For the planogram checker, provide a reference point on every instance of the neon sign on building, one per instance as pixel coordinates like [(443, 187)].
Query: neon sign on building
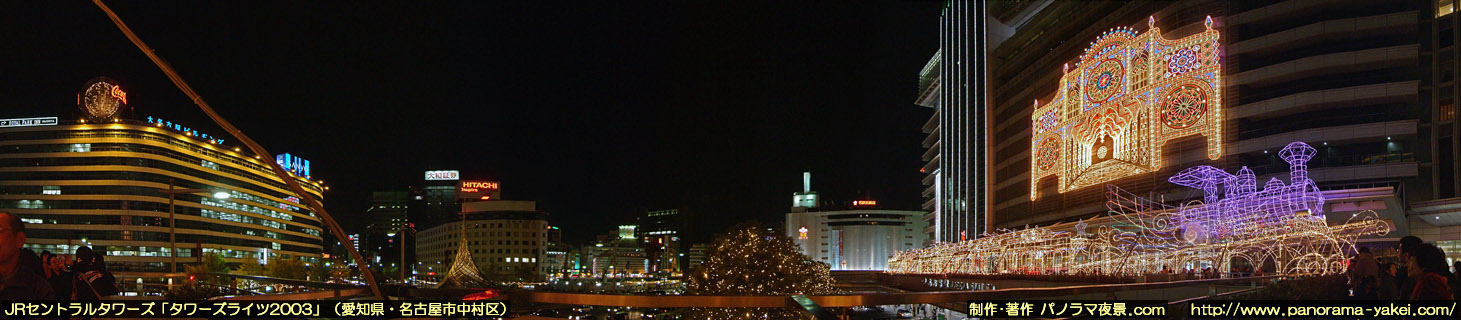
[(186, 130), (1130, 94), (294, 164)]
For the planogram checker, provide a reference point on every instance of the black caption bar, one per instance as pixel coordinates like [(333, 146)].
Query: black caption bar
[(252, 309), (1438, 309), (1068, 308)]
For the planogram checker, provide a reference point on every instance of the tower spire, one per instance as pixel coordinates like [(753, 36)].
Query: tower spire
[(463, 272)]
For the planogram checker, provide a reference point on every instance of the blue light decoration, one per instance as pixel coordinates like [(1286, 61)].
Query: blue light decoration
[(297, 165), (1282, 225), (179, 127)]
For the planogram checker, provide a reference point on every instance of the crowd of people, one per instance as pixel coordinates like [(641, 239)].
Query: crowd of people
[(47, 276), (1418, 272)]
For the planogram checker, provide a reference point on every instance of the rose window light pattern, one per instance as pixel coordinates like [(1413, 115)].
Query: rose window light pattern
[(1129, 94)]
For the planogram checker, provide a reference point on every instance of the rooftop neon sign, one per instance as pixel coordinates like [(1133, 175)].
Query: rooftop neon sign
[(179, 127), (297, 165)]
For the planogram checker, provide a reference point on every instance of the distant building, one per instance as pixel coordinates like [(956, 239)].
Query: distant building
[(508, 240), (659, 235), (807, 199), (617, 254), (387, 230), (696, 256), (556, 259), (859, 238), (435, 202)]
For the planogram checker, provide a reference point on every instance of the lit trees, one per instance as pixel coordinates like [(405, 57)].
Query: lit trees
[(287, 268), (748, 260), (201, 286)]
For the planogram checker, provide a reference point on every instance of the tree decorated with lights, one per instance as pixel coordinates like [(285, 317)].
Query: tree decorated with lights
[(748, 260)]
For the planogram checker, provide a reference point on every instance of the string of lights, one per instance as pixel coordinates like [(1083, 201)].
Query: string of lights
[(1283, 225)]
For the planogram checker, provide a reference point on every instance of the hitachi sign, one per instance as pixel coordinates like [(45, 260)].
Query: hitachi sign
[(473, 186)]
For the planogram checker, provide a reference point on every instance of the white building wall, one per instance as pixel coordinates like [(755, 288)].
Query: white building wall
[(856, 246)]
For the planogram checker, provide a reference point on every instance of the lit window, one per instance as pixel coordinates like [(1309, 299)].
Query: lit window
[(1444, 7)]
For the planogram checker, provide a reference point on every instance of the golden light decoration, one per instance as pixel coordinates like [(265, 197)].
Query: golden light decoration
[(1130, 94), (1282, 225), (101, 99)]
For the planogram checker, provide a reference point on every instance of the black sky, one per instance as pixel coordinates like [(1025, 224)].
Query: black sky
[(594, 109)]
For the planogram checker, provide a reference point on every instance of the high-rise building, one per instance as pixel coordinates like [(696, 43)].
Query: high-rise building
[(435, 201), (954, 84), (557, 260), (1343, 76), (659, 235), (389, 232), (1438, 93), (103, 182)]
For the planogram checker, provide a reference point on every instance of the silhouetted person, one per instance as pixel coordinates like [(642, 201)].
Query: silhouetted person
[(92, 280), (58, 274), (1388, 288), (22, 278), (1455, 279), (1364, 271), (1428, 268), (1402, 277)]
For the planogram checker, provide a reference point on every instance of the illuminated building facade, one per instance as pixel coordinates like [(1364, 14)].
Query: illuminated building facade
[(1130, 94), (859, 238), (508, 240), (100, 182), (659, 233), (953, 83), (1341, 75)]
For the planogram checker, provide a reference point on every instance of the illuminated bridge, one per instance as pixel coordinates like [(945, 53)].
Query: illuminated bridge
[(946, 294)]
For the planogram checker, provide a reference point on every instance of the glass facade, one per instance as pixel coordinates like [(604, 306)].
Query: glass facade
[(957, 144), (102, 185)]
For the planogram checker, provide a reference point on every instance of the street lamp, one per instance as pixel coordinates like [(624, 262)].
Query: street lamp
[(404, 228), (172, 231)]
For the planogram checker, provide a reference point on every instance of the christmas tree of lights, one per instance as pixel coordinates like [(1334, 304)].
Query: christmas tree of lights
[(751, 261)]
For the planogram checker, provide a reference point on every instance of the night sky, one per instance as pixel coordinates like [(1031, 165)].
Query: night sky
[(594, 110)]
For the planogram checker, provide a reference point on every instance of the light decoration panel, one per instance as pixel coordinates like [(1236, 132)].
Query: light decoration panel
[(1282, 224), (1130, 94)]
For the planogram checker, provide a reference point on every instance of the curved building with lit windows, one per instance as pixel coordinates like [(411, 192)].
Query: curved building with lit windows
[(858, 238), (81, 182)]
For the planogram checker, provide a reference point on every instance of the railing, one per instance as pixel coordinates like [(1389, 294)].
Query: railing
[(831, 301)]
